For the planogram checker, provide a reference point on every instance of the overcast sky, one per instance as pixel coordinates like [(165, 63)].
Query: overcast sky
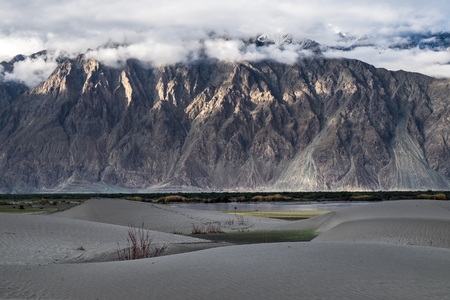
[(164, 32)]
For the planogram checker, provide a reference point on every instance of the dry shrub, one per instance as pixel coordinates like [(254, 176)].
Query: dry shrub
[(270, 198), (139, 245), (440, 196), (258, 198), (214, 228), (362, 197), (133, 198), (43, 202), (174, 198), (158, 251), (210, 228), (194, 199), (229, 222), (241, 220), (241, 199), (196, 229), (171, 198), (278, 197)]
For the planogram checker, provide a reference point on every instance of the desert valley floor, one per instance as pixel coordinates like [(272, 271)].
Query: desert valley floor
[(384, 250)]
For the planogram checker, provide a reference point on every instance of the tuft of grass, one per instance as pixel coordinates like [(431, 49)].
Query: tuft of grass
[(210, 228), (214, 228), (139, 245)]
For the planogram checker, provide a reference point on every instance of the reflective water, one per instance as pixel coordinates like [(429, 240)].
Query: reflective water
[(270, 206)]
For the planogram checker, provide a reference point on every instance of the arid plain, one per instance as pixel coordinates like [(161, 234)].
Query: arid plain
[(384, 250)]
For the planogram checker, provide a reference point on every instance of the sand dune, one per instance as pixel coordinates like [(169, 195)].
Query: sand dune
[(407, 231), (423, 209), (41, 239), (408, 222), (159, 217), (354, 257), (264, 271)]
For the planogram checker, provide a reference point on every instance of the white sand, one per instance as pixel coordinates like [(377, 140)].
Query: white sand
[(41, 239), (263, 271), (356, 259), (406, 231)]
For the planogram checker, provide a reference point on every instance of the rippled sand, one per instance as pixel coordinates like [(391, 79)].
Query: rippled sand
[(388, 250)]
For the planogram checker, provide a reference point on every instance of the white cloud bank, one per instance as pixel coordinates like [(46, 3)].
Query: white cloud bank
[(429, 62), (171, 31), (235, 50), (31, 71)]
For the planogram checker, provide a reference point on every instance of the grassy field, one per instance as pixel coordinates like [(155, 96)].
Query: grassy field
[(284, 215), (266, 236)]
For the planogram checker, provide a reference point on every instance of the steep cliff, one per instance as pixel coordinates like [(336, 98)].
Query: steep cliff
[(317, 125)]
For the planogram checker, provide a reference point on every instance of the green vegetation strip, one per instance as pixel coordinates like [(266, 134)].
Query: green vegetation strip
[(284, 215), (212, 197), (266, 236)]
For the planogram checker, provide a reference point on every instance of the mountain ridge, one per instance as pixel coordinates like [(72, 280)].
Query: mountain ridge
[(320, 124)]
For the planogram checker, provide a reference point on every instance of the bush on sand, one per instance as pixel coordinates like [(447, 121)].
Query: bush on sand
[(139, 245)]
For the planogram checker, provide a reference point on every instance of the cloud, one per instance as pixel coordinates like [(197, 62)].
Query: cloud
[(235, 50), (14, 44), (31, 71), (80, 22), (172, 31), (224, 50), (428, 62), (153, 52)]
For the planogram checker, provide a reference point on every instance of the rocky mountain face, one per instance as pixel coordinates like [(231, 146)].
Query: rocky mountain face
[(317, 125)]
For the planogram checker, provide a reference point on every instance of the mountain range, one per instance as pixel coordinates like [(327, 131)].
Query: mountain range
[(319, 124), (347, 42)]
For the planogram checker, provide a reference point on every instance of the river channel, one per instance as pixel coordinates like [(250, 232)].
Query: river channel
[(270, 206)]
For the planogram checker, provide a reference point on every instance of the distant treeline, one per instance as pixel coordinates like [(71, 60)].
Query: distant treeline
[(214, 197)]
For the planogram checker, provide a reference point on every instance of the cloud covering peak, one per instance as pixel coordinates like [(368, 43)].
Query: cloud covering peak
[(171, 31)]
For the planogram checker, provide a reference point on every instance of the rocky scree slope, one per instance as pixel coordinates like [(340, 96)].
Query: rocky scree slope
[(317, 125)]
